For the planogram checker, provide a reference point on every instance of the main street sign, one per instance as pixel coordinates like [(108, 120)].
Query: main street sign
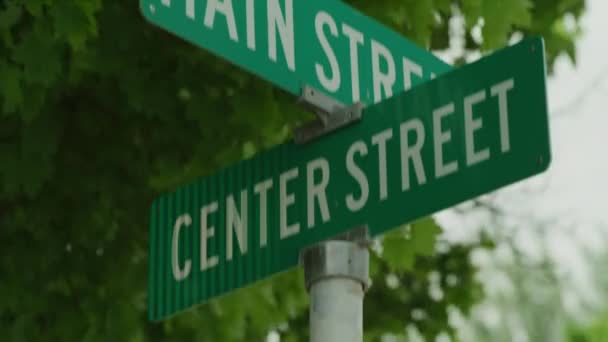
[(324, 44), (468, 132)]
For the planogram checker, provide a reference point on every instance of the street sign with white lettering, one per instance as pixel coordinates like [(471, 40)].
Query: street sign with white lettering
[(468, 132), (324, 44)]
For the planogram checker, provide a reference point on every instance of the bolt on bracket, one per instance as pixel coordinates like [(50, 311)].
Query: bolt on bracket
[(331, 115)]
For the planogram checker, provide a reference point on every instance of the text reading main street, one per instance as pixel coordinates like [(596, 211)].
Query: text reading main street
[(327, 45)]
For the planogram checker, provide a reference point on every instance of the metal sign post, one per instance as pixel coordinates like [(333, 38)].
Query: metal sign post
[(336, 271), (336, 275)]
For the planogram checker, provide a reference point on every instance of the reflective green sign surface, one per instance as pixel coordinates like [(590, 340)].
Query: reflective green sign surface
[(468, 132), (324, 44)]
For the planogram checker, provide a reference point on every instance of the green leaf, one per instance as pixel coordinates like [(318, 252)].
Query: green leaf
[(10, 88), (443, 5), (472, 10), (401, 246), (424, 234), (36, 7), (398, 251), (420, 19), (75, 21), (39, 56), (18, 333), (500, 17), (10, 15)]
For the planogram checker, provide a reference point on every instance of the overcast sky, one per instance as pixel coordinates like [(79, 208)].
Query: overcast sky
[(563, 212), (578, 180), (574, 190)]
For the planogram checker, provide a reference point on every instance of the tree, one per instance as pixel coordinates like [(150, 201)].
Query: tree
[(101, 111), (596, 332)]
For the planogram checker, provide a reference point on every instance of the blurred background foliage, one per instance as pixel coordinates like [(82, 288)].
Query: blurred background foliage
[(100, 111)]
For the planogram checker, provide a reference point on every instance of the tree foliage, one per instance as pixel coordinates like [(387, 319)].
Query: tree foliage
[(100, 111), (597, 331)]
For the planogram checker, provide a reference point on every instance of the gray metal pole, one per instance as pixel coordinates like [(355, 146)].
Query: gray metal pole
[(336, 275)]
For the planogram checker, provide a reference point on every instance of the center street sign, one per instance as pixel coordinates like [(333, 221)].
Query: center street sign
[(324, 44), (468, 132)]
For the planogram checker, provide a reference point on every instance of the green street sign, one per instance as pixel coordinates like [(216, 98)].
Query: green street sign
[(468, 132), (324, 44)]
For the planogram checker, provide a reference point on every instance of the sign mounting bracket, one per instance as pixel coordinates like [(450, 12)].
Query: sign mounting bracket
[(331, 114)]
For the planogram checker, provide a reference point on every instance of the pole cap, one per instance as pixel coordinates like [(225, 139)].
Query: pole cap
[(338, 259)]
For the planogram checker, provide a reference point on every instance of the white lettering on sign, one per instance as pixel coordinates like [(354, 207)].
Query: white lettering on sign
[(410, 68), (317, 191), (453, 123), (250, 13), (224, 7), (325, 53), (501, 90), (190, 9), (441, 137), (207, 232), (355, 171), (383, 81), (238, 222), (261, 189), (285, 201), (355, 39), (283, 22), (412, 153), (179, 274), (470, 126), (380, 140), (383, 76), (331, 83)]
